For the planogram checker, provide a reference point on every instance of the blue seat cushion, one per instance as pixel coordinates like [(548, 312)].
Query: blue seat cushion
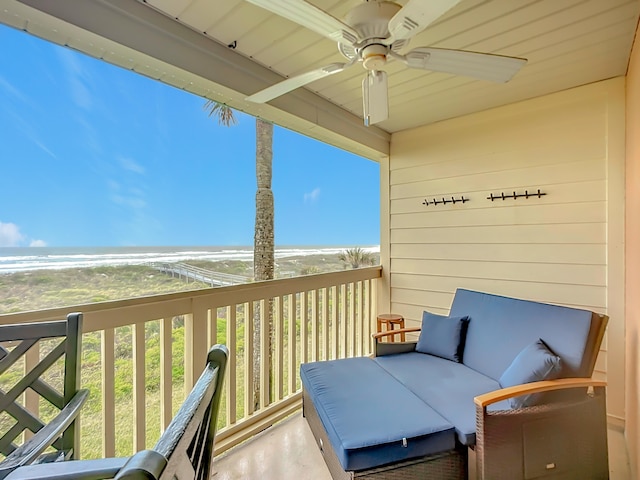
[(448, 387), (370, 418)]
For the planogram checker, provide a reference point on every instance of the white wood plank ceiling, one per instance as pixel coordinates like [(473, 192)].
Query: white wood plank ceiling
[(567, 42)]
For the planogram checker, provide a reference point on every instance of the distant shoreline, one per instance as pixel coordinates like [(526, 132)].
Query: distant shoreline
[(39, 289), (22, 259)]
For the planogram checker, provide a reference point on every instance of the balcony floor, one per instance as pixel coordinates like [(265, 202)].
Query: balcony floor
[(287, 451)]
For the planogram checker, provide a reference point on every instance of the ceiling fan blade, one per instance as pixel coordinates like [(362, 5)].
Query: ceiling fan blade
[(485, 66), (375, 97), (311, 17), (417, 15), (298, 81)]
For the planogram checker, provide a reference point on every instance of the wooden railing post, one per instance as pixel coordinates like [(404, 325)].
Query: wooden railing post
[(195, 337), (139, 390), (293, 366), (108, 360), (31, 398), (166, 364), (232, 366), (249, 404)]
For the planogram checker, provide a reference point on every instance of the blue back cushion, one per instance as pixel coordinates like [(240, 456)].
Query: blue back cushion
[(533, 364), (442, 336), (501, 327)]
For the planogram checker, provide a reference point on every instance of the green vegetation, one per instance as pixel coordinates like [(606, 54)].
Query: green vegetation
[(57, 288), (40, 289), (356, 257)]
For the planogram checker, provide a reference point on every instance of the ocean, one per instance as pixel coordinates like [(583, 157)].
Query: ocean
[(22, 259)]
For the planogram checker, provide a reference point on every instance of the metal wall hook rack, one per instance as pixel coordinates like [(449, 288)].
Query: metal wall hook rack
[(515, 195), (444, 201)]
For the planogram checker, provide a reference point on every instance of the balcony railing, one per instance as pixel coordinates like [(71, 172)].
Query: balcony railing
[(147, 344)]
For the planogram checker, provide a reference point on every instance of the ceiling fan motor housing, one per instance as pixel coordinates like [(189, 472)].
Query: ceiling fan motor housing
[(371, 19)]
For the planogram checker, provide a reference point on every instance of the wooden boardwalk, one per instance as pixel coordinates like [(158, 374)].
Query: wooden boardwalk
[(189, 272)]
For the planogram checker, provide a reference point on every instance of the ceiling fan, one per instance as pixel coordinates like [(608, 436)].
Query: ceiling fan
[(373, 33)]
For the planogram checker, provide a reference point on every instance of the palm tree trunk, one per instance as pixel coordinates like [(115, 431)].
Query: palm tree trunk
[(263, 249)]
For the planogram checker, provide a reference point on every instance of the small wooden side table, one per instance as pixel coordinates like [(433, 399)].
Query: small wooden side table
[(390, 320)]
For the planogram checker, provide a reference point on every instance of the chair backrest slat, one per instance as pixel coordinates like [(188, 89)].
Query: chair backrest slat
[(55, 340), (37, 331), (8, 358), (24, 417), (35, 373), (47, 391), (72, 364), (6, 442)]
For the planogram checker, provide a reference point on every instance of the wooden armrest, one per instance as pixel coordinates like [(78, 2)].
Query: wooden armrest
[(535, 387), (29, 451), (74, 470), (395, 332)]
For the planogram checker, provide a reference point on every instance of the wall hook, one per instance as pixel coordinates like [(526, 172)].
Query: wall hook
[(444, 201), (514, 195)]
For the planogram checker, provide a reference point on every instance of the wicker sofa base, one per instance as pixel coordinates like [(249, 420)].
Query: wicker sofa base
[(450, 465)]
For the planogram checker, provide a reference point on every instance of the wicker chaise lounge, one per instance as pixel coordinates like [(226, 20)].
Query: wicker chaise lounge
[(418, 408)]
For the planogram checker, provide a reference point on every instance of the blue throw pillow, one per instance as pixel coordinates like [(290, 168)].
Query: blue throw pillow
[(443, 336), (533, 364)]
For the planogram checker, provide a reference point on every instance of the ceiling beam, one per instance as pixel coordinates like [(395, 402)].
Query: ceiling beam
[(143, 29)]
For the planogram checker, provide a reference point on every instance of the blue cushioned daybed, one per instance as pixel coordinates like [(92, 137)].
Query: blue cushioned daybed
[(415, 409)]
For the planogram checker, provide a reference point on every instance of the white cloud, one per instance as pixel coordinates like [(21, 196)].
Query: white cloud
[(78, 79), (44, 148), (12, 90), (10, 235), (312, 196), (130, 197), (131, 165)]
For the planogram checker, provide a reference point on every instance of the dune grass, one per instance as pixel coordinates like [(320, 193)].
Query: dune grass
[(43, 289)]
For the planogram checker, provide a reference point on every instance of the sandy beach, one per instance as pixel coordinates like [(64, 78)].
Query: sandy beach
[(41, 289)]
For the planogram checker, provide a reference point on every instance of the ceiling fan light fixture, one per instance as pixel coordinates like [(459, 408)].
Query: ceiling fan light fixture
[(374, 57), (374, 97)]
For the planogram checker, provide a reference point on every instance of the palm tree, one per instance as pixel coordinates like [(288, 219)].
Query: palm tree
[(263, 240), (263, 249), (356, 257)]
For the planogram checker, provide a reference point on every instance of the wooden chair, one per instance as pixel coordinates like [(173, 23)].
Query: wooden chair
[(184, 451), (25, 344)]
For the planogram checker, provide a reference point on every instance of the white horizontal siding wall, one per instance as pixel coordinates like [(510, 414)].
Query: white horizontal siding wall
[(562, 248)]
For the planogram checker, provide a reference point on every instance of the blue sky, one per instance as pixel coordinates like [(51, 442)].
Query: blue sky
[(94, 155)]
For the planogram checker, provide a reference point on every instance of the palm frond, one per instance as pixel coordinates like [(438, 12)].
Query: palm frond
[(224, 113)]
